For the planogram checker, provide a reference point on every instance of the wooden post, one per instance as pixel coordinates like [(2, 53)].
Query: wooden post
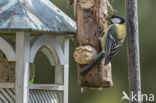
[(59, 70), (66, 70), (133, 49), (91, 16), (22, 67)]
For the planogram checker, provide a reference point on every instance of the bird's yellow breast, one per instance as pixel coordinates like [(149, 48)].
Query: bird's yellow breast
[(118, 30)]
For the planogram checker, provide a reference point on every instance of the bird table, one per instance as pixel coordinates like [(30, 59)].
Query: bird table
[(35, 24)]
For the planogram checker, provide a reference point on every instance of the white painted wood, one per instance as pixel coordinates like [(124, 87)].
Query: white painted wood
[(66, 69), (66, 81), (40, 96), (60, 39), (11, 92), (7, 49), (3, 99), (7, 96), (22, 67), (54, 98), (7, 85), (59, 70), (66, 51), (43, 96), (46, 96), (51, 44), (30, 97), (46, 87), (49, 94), (49, 55), (59, 78), (32, 94)]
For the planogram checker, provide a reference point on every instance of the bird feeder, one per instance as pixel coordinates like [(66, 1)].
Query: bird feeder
[(35, 24), (91, 17)]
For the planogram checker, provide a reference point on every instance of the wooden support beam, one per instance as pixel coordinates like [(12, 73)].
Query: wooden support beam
[(133, 49), (7, 49), (22, 67), (59, 70), (59, 79), (7, 85), (66, 70), (46, 87)]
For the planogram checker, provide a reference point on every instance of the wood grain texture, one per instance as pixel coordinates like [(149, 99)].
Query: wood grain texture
[(44, 96), (88, 23), (7, 69), (7, 61), (7, 85), (7, 95), (7, 48), (22, 67), (46, 87), (133, 48), (66, 71)]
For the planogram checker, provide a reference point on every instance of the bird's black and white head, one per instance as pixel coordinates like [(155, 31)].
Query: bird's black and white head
[(117, 19)]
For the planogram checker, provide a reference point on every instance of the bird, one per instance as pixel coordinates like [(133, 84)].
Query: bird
[(111, 41)]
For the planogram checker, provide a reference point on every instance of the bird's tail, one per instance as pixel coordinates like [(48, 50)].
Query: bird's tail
[(98, 58)]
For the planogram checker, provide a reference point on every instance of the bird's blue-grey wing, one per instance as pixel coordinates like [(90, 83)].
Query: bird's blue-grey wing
[(112, 47)]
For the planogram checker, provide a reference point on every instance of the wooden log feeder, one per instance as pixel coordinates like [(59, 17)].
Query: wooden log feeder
[(91, 17)]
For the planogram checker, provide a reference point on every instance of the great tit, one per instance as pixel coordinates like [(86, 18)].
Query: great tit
[(111, 41)]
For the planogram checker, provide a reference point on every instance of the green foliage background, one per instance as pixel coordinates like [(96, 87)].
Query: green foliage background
[(147, 27)]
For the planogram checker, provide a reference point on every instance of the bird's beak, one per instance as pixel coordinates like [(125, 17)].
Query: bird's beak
[(107, 18)]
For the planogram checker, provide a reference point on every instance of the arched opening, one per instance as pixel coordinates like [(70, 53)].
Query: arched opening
[(48, 77), (44, 71), (47, 55)]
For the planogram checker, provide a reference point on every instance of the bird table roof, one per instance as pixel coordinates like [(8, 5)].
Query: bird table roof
[(34, 15)]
